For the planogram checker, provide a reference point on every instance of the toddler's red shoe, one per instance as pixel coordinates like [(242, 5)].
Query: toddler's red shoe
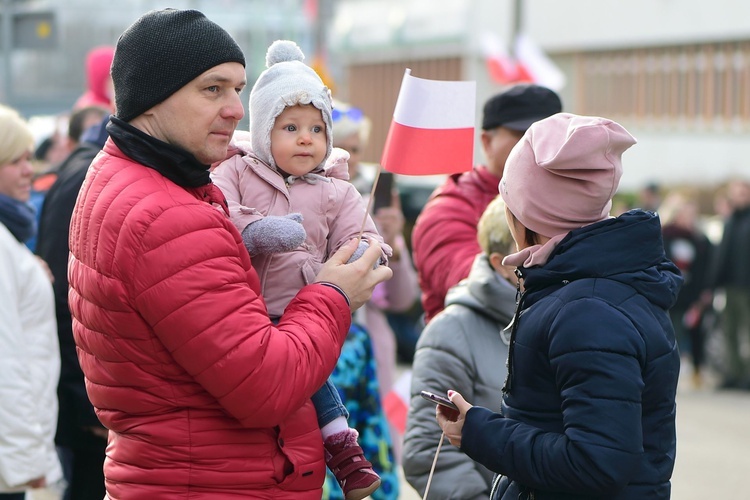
[(347, 462)]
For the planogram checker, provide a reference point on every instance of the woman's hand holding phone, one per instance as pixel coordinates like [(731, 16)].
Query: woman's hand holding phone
[(436, 398), (452, 421)]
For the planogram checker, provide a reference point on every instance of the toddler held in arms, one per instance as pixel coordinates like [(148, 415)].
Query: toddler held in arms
[(288, 195)]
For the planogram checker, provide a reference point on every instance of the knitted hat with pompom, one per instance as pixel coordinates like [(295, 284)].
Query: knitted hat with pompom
[(287, 82)]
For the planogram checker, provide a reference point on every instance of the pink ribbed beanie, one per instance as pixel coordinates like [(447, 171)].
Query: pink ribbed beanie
[(564, 171)]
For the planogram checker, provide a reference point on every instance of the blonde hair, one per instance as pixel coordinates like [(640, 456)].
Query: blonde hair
[(493, 232), (344, 126), (15, 135)]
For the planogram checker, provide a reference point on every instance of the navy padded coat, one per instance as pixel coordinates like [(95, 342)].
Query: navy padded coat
[(590, 408)]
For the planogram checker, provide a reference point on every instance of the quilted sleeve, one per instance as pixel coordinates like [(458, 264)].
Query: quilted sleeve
[(189, 283), (445, 243), (596, 366)]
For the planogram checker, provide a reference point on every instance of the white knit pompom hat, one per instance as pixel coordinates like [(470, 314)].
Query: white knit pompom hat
[(287, 82)]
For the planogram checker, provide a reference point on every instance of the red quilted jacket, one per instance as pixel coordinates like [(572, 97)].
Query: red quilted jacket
[(203, 396), (444, 240)]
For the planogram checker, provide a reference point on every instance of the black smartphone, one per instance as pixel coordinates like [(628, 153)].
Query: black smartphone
[(383, 192), (441, 400)]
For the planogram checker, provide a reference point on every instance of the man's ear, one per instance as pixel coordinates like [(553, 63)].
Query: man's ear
[(486, 139)]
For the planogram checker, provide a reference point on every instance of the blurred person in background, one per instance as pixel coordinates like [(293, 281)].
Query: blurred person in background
[(351, 129), (463, 348), (731, 274), (444, 240), (690, 249), (649, 197), (722, 204), (80, 437), (588, 406), (79, 121), (29, 353), (99, 88), (83, 119), (52, 149)]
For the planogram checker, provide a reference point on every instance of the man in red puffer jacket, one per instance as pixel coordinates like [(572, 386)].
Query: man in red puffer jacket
[(203, 396)]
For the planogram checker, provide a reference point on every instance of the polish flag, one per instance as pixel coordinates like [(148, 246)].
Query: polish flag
[(501, 66), (432, 131), (396, 402), (539, 67), (530, 64), (310, 8)]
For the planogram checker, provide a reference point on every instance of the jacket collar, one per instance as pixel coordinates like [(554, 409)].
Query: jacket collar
[(484, 291), (172, 162), (628, 249)]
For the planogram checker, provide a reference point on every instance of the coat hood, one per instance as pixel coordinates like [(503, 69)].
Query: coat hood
[(484, 291), (628, 249)]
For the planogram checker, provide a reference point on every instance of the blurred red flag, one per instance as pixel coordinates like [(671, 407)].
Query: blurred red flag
[(530, 63), (432, 131), (310, 8)]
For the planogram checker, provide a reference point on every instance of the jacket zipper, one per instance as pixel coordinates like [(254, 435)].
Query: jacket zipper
[(513, 329)]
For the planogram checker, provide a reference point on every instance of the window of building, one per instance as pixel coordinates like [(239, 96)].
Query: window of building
[(699, 86)]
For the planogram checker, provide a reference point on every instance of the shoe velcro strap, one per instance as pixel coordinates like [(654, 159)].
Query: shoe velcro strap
[(345, 455), (354, 467)]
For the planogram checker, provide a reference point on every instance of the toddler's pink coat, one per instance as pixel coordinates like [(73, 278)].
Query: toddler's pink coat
[(332, 209)]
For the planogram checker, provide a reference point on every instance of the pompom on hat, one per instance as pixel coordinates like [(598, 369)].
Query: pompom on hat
[(288, 81), (161, 52), (563, 173)]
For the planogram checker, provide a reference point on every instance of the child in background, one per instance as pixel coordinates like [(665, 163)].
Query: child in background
[(294, 210)]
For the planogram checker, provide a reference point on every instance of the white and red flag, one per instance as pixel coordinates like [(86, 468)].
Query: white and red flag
[(501, 66), (530, 64), (432, 131)]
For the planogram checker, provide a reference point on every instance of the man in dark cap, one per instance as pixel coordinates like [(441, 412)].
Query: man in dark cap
[(202, 395), (444, 239)]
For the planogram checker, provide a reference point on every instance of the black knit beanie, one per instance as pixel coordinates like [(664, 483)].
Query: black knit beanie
[(161, 52)]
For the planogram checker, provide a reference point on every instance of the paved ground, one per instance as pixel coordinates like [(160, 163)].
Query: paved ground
[(713, 446)]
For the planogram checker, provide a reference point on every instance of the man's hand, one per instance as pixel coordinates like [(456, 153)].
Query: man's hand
[(357, 279), (452, 421)]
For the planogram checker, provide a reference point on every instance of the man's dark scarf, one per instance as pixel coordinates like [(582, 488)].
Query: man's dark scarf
[(172, 162)]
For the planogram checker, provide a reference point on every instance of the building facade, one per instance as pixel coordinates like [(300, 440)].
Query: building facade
[(676, 73)]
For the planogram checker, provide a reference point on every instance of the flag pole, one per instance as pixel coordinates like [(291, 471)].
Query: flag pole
[(369, 202), (432, 469), (517, 27)]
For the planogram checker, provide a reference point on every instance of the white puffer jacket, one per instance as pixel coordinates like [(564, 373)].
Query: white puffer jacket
[(29, 369)]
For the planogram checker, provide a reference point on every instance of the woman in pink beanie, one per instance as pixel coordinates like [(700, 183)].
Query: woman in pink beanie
[(589, 401)]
